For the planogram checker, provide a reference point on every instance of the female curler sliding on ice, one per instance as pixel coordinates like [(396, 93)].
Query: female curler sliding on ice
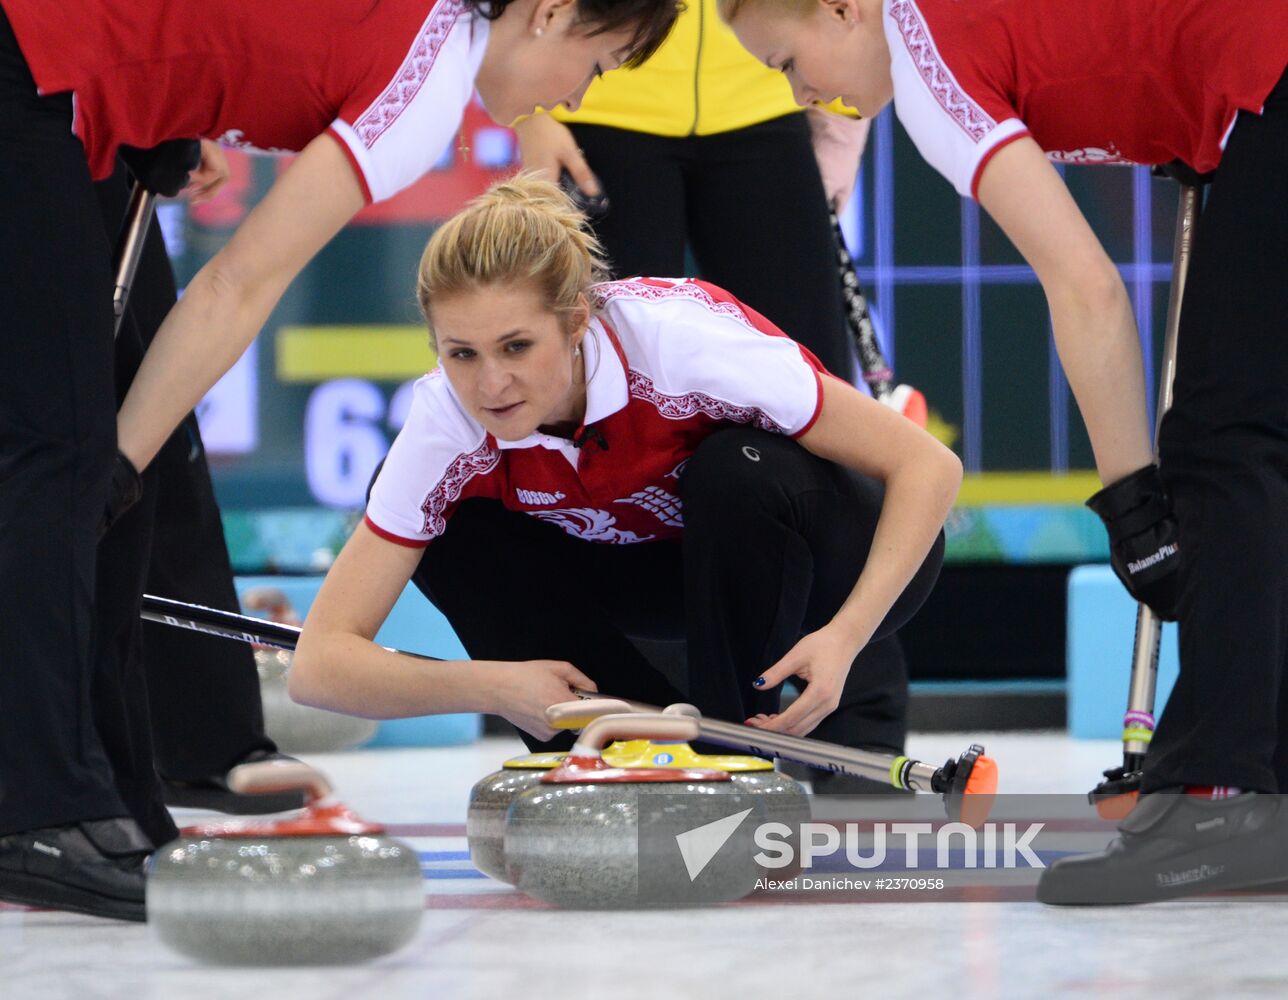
[(592, 461)]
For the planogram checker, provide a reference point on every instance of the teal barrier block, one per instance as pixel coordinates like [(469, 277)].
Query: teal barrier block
[(414, 625), (1101, 631)]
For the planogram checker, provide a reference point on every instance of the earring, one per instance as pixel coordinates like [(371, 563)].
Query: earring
[(576, 351), (540, 32)]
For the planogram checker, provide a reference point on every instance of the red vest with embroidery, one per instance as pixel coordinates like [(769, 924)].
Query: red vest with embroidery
[(1103, 81), (670, 363)]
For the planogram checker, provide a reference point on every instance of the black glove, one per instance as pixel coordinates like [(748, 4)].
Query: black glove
[(124, 491), (163, 169), (1144, 538)]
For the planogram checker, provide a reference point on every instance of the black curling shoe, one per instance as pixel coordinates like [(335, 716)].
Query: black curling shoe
[(1176, 845), (94, 867), (213, 792)]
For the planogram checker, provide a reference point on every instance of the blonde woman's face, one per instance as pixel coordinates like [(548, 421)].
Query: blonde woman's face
[(835, 49), (510, 359)]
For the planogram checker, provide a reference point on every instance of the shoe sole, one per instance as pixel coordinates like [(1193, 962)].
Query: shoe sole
[(30, 890)]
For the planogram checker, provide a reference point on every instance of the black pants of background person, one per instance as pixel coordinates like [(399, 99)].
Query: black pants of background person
[(1224, 458), (772, 546), (203, 691), (74, 742), (750, 205), (206, 709)]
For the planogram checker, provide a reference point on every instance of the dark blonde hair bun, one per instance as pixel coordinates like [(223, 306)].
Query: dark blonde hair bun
[(520, 229)]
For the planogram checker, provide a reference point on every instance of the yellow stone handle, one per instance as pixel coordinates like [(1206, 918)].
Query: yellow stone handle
[(578, 714)]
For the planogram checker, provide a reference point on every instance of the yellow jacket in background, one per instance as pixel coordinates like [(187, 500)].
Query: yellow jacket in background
[(700, 82)]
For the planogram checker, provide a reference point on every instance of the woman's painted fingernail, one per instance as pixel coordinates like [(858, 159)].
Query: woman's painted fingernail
[(758, 682)]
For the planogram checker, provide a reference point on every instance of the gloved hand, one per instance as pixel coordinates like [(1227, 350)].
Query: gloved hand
[(124, 491), (1144, 538), (164, 168)]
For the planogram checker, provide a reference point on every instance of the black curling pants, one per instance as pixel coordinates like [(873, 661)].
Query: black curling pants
[(73, 730), (203, 691), (1224, 458), (205, 697), (774, 541)]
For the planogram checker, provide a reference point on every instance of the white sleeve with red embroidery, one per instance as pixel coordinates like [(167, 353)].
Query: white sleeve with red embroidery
[(401, 132), (949, 128), (433, 459), (693, 348)]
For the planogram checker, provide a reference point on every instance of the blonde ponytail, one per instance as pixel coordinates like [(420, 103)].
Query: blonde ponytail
[(521, 229)]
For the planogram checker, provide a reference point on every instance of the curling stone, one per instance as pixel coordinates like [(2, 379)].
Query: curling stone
[(593, 836), (783, 797), (296, 728), (490, 799), (323, 888), (491, 796), (786, 800), (301, 728)]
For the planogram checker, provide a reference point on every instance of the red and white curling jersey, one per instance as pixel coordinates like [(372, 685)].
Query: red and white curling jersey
[(388, 78), (670, 362), (1093, 81)]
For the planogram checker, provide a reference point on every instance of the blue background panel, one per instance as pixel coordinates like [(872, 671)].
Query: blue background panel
[(1102, 628)]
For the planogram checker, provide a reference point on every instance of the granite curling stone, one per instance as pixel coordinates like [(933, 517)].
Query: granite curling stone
[(299, 728), (785, 799), (593, 836), (491, 796), (490, 800), (296, 728), (324, 888)]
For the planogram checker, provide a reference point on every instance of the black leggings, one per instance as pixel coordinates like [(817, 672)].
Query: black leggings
[(1224, 457), (773, 543)]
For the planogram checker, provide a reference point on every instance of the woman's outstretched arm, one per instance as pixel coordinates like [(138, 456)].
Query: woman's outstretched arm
[(338, 666), (230, 299)]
